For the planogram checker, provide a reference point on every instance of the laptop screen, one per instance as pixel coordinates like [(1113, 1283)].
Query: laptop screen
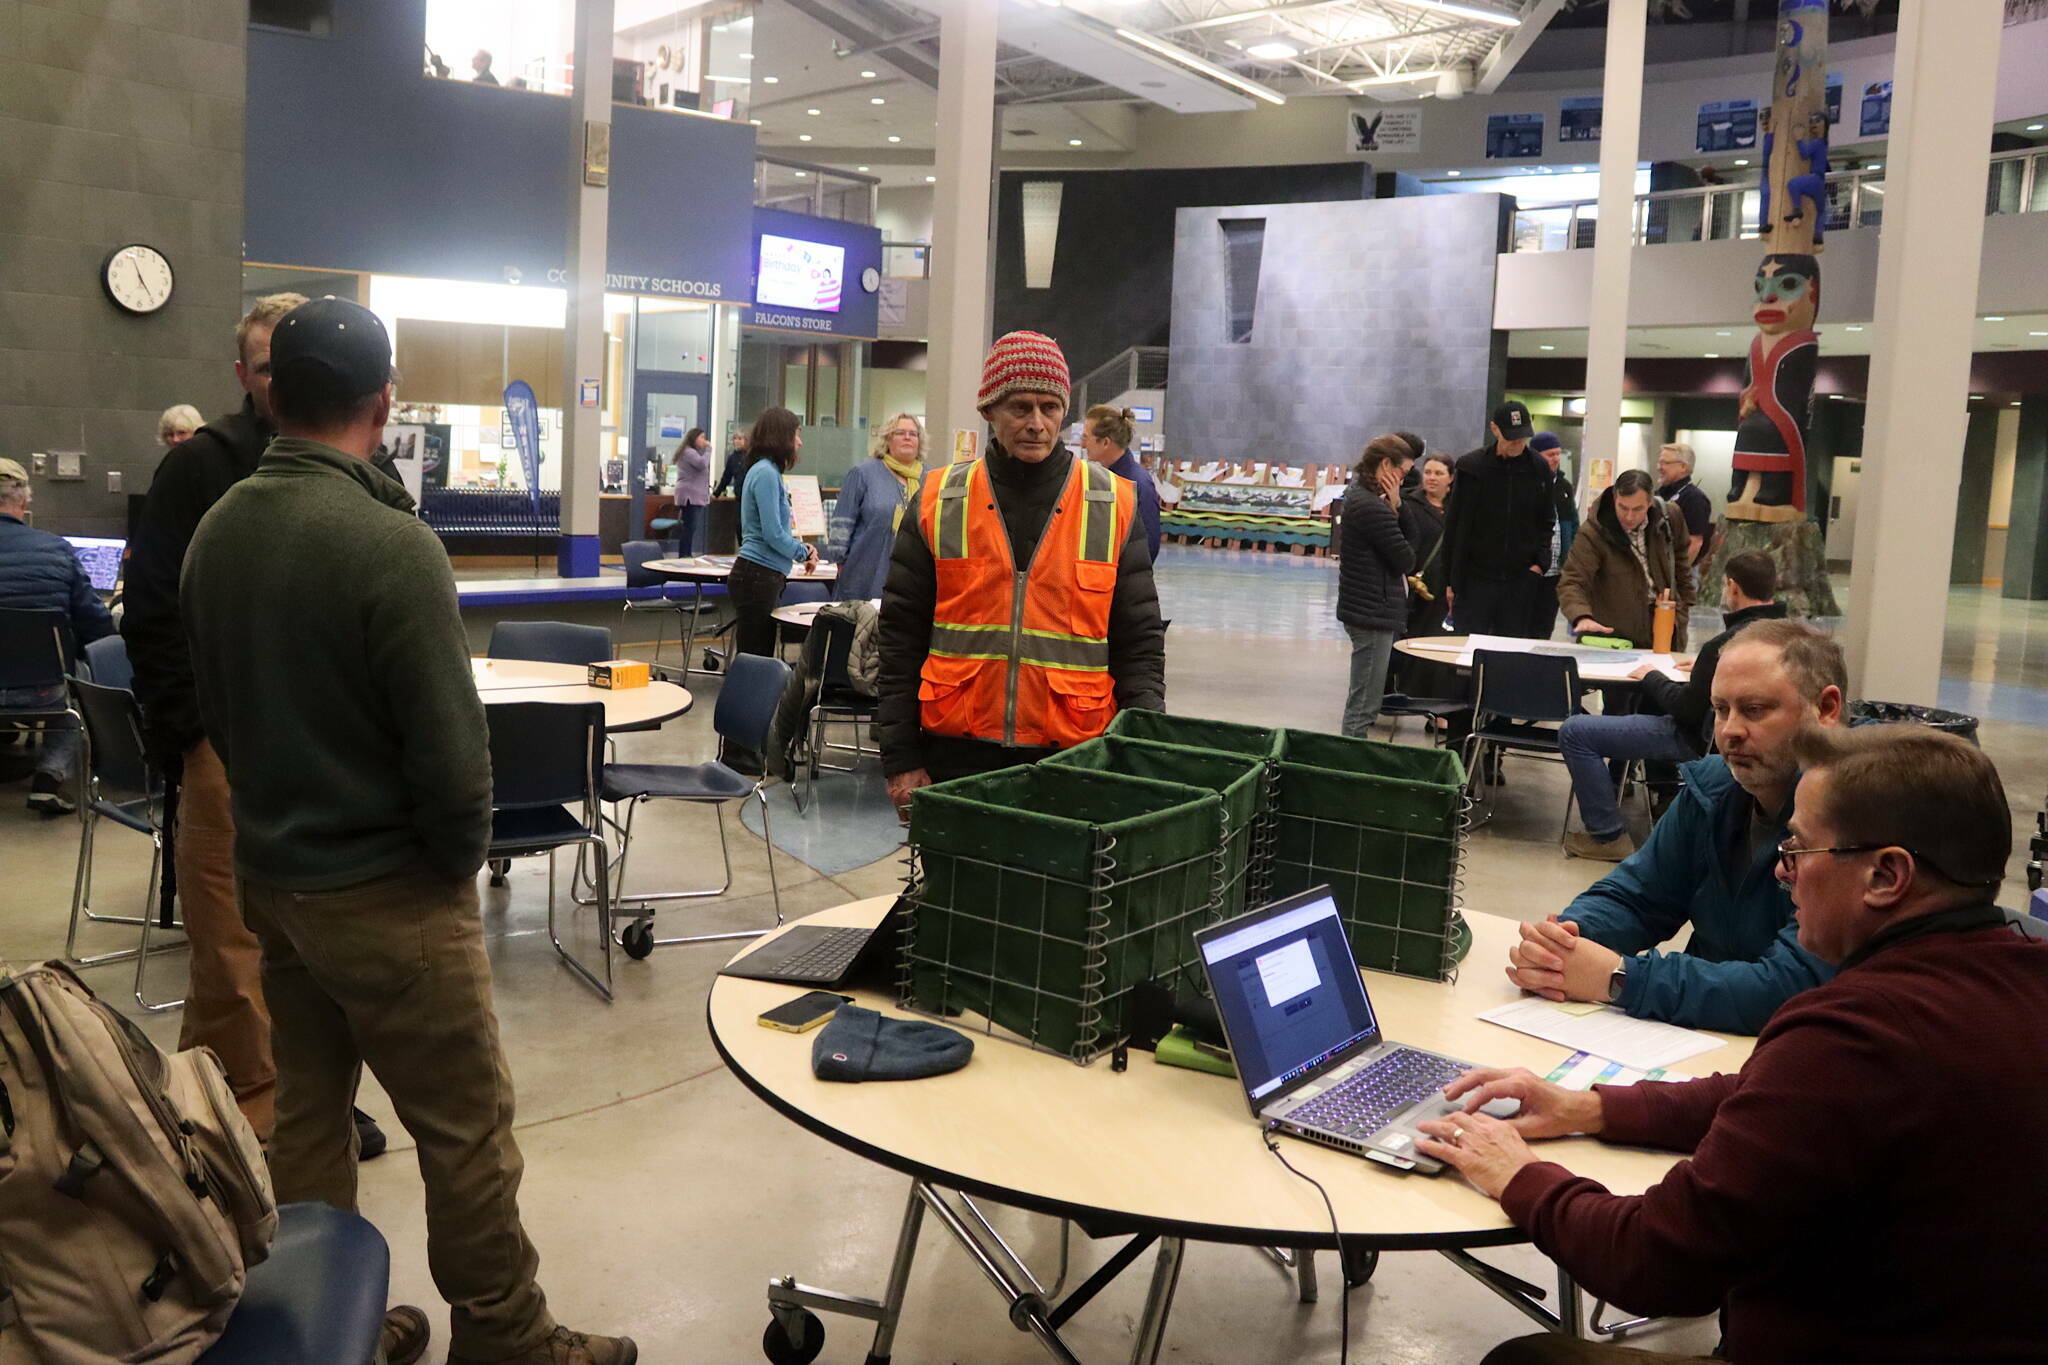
[(101, 558), (1287, 987)]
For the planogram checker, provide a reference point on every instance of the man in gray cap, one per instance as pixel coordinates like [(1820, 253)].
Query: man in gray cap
[(336, 685)]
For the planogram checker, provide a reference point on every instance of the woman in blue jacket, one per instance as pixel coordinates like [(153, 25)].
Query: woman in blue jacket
[(872, 501), (768, 540)]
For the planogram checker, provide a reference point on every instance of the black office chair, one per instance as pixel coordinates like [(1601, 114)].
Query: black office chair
[(550, 642), (836, 704), (107, 660), (746, 709), (649, 592), (36, 649), (794, 594), (1518, 701), (545, 758), (123, 786), (317, 1299)]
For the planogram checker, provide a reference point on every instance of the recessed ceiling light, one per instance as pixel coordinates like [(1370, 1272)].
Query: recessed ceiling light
[(1578, 170), (1273, 51), (803, 175), (1875, 166), (1852, 329), (1454, 172), (931, 180), (746, 56), (867, 75), (894, 138), (2036, 127), (814, 112), (1994, 317), (1073, 142), (1976, 398), (1724, 334), (803, 137), (1742, 161), (771, 80), (876, 99), (756, 122), (2038, 334), (1545, 347), (1713, 355), (860, 168)]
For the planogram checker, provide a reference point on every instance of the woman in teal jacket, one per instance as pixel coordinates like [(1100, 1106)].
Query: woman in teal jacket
[(768, 539)]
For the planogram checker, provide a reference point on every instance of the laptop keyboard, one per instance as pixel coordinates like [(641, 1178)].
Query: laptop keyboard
[(1362, 1103), (831, 955)]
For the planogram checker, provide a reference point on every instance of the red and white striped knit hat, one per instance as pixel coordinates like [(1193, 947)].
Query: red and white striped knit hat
[(1023, 362)]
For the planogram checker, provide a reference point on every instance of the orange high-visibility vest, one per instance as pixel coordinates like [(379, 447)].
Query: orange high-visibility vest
[(1021, 656)]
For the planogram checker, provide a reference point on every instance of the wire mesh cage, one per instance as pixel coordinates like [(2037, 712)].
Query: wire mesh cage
[(1042, 898), (1241, 780), (1383, 826)]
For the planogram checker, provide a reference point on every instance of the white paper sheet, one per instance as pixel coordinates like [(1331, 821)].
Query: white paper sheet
[(1643, 1044), (1583, 1071)]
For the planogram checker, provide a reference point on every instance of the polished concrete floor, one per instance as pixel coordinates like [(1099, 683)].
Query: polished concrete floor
[(663, 1196)]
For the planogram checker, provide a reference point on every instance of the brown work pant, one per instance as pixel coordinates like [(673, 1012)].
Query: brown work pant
[(224, 1001), (1551, 1349), (391, 972)]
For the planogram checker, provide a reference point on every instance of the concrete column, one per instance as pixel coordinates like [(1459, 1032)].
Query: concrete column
[(960, 224), (590, 125), (1621, 121), (2026, 542), (1943, 78)]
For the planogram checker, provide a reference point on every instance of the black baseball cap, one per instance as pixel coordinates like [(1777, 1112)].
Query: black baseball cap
[(1511, 417), (331, 350)]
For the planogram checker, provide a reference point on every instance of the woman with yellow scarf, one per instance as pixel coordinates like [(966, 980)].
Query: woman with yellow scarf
[(872, 500)]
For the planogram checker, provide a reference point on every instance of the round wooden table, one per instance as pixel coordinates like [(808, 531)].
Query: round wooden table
[(802, 614), (505, 680), (1595, 664), (1163, 1152), (705, 569)]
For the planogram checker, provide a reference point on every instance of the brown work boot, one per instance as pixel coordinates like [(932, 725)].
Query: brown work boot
[(405, 1336), (564, 1347), (1579, 844)]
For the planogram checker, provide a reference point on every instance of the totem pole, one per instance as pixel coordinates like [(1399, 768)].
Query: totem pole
[(1767, 504)]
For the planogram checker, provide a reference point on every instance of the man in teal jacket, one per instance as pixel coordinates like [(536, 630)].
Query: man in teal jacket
[(1711, 861)]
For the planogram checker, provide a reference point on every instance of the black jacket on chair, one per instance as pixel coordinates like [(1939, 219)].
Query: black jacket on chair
[(1374, 564)]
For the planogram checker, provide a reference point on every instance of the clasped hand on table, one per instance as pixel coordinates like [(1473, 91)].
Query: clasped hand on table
[(1552, 961), (1488, 1151)]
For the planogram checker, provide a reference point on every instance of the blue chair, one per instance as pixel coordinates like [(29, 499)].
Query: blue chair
[(837, 703), (1518, 701), (121, 785), (747, 700), (647, 591), (545, 758), (550, 642), (107, 660), (36, 650), (318, 1299)]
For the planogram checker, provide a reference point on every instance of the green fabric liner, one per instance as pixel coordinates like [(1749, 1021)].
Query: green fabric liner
[(1194, 732)]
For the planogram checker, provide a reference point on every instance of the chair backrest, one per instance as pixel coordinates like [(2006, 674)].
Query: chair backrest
[(794, 593), (1522, 686), (837, 643), (544, 753), (113, 730), (107, 657), (748, 697), (637, 553), (550, 642), (35, 647)]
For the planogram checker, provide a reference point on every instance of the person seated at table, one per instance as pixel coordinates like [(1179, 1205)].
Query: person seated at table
[(1841, 1202), (1709, 861), (1673, 723)]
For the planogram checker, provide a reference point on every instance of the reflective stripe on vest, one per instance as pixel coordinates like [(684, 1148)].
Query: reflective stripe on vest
[(1021, 658)]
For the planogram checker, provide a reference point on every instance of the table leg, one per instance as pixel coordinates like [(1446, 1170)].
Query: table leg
[(1158, 1302), (1523, 1296), (1028, 1310), (690, 638), (789, 1302)]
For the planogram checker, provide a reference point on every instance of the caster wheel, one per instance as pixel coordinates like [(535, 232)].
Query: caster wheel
[(775, 1343), (499, 867), (1359, 1266), (638, 941)]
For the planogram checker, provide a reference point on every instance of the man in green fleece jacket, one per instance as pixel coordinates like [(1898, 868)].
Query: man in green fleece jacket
[(334, 680)]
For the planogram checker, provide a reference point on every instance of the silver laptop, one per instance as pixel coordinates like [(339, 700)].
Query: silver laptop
[(100, 558), (1307, 1045)]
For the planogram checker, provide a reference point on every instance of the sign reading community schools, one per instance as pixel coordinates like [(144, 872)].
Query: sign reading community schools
[(798, 274)]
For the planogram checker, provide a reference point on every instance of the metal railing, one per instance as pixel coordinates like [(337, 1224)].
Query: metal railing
[(1140, 367), (907, 260), (820, 191), (2018, 183)]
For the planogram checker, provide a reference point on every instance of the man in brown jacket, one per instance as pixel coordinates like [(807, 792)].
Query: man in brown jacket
[(1618, 566)]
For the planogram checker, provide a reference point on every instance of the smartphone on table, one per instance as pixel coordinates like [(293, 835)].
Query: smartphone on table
[(804, 1013)]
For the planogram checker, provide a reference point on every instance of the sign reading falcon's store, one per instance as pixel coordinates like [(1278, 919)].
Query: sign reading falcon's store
[(816, 276)]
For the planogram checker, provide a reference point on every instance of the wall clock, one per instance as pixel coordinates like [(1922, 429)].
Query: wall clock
[(137, 278)]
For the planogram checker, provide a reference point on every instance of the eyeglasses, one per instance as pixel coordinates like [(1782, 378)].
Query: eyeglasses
[(1789, 853)]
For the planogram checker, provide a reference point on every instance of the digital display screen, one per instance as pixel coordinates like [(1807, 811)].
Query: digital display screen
[(799, 274)]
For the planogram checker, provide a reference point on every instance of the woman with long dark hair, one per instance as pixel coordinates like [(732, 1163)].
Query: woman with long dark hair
[(693, 489), (1372, 576), (768, 540)]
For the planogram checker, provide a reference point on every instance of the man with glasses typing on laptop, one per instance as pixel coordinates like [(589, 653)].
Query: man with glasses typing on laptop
[(1869, 1186), (1708, 862)]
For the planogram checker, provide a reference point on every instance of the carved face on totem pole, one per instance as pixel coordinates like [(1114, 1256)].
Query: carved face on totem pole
[(1787, 294)]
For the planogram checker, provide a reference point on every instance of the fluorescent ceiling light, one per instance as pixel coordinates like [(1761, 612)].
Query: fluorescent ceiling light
[(867, 75), (1875, 166), (803, 137), (876, 99), (2038, 334), (732, 80), (1994, 317), (860, 168), (1713, 355), (1545, 346), (1273, 51), (1724, 334), (1742, 161), (1189, 60), (894, 138), (1397, 78), (1463, 11), (1453, 172), (1852, 329), (771, 80), (803, 175), (1073, 142), (931, 180), (814, 112), (2036, 127)]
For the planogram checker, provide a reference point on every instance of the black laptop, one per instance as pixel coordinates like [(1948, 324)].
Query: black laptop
[(825, 956)]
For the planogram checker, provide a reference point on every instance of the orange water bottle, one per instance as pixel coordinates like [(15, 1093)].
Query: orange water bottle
[(1664, 623)]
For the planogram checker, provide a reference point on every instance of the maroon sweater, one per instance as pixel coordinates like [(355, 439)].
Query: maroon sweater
[(1870, 1187)]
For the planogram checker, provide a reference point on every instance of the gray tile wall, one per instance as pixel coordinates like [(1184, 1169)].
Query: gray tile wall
[(120, 121), (1373, 316)]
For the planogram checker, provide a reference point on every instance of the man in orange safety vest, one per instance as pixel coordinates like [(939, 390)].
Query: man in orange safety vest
[(1019, 613)]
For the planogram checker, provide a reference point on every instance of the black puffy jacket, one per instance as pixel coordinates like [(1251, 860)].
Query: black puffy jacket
[(1374, 562), (39, 572)]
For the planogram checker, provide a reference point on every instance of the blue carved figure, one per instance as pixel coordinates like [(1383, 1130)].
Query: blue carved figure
[(1811, 188), (1763, 206)]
